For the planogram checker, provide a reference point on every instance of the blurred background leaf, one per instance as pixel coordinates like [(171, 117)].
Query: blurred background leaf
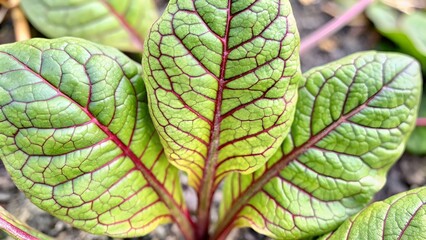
[(402, 23), (399, 21), (119, 23), (416, 143)]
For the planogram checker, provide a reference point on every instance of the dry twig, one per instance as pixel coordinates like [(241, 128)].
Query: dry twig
[(20, 23)]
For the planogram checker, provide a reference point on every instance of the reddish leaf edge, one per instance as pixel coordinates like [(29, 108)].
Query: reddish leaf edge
[(227, 224)]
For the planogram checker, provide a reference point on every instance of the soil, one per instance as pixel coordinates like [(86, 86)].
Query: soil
[(408, 173)]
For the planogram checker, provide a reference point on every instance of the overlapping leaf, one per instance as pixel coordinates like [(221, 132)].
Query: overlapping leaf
[(222, 81), (17, 229), (402, 216), (119, 23), (352, 121), (76, 137)]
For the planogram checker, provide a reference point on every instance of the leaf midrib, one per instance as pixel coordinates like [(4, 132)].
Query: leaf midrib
[(208, 180)]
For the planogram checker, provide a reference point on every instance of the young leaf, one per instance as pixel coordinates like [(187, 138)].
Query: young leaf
[(402, 216), (222, 81), (76, 137), (352, 121), (17, 229), (119, 23)]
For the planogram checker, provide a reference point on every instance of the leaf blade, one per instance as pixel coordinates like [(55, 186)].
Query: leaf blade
[(399, 217), (328, 169), (198, 76), (121, 24), (76, 137)]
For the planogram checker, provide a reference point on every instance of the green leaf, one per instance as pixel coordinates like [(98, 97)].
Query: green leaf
[(352, 121), (222, 82), (119, 23), (401, 28), (416, 143), (76, 137), (17, 229), (402, 216)]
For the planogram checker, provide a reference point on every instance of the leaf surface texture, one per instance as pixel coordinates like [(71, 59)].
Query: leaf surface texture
[(77, 139), (352, 121), (222, 81), (402, 216)]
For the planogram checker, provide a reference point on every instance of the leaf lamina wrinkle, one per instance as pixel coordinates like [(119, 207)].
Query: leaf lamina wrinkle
[(222, 82), (97, 140), (76, 137), (352, 121)]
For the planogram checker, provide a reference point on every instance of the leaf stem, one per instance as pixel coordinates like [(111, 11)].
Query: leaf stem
[(15, 228), (421, 122), (333, 26), (15, 231), (20, 24), (3, 12)]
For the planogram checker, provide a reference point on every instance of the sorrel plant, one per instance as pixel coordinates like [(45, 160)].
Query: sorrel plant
[(98, 140)]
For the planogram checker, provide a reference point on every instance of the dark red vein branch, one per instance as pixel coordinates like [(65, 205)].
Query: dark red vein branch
[(409, 221)]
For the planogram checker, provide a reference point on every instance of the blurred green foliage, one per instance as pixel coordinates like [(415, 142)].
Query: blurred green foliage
[(405, 29), (417, 142)]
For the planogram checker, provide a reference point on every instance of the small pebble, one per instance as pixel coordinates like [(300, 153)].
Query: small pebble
[(4, 196)]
